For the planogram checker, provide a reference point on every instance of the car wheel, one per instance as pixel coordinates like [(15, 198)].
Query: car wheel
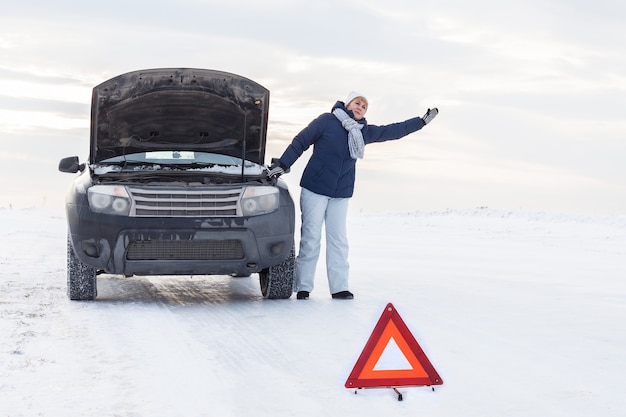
[(81, 278), (277, 281)]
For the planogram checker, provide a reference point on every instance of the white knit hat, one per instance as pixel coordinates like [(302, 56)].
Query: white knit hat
[(353, 95)]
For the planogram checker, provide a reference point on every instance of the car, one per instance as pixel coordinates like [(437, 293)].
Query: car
[(176, 184)]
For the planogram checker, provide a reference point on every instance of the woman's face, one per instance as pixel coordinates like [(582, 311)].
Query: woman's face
[(358, 107)]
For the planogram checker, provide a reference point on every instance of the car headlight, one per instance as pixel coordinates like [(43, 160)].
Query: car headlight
[(259, 200), (109, 199)]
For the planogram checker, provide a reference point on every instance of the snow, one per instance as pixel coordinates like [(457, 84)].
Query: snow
[(521, 314)]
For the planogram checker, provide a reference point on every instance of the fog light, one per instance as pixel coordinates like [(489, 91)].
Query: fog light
[(277, 248), (91, 249)]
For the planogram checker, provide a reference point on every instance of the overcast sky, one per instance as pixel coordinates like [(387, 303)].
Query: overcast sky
[(531, 94)]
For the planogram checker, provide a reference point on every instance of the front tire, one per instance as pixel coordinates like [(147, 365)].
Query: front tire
[(277, 281), (81, 278)]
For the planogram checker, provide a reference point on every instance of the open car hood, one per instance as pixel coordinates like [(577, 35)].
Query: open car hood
[(179, 109)]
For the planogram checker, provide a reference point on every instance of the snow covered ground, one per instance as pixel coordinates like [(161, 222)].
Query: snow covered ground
[(522, 314)]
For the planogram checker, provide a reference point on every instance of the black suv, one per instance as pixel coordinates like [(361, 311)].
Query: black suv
[(176, 184)]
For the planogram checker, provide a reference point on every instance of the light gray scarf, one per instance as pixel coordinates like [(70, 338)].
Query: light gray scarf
[(355, 137)]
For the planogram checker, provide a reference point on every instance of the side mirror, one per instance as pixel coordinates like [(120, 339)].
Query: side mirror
[(70, 165)]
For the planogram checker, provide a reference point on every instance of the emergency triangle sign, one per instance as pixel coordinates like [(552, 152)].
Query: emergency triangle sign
[(392, 357)]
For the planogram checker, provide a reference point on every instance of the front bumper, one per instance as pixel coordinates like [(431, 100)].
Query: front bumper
[(180, 246)]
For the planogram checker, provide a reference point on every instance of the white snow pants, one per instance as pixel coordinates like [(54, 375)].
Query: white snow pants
[(317, 209)]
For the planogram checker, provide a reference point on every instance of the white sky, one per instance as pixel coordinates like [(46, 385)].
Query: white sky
[(531, 95)]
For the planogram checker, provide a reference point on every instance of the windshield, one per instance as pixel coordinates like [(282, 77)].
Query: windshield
[(175, 159)]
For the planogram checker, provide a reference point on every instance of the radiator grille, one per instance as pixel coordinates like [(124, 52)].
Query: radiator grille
[(185, 203), (185, 250)]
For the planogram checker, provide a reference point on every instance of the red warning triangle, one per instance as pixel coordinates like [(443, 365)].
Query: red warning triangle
[(391, 328)]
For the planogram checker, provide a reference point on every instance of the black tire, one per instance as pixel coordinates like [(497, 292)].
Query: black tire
[(277, 281), (81, 278)]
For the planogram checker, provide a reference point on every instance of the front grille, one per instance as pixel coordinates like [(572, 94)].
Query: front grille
[(185, 250), (150, 202)]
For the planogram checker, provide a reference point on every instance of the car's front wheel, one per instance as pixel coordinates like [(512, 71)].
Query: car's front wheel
[(81, 278), (277, 281)]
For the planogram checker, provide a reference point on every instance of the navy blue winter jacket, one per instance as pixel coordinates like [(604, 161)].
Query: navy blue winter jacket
[(331, 170)]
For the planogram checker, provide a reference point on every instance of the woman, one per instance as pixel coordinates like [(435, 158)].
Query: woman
[(338, 140)]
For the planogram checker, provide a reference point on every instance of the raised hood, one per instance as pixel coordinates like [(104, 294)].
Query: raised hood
[(179, 109)]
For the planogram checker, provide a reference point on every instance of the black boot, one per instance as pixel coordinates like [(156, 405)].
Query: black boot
[(343, 295), (302, 295)]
